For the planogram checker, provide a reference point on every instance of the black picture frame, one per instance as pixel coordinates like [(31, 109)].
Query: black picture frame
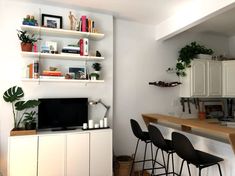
[(51, 21)]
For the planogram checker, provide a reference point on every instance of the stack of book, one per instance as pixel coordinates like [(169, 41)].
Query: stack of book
[(52, 75), (71, 49), (86, 25)]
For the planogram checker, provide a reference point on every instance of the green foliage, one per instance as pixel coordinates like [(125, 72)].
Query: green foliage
[(188, 53), (13, 96), (95, 75), (26, 38), (97, 66), (30, 117)]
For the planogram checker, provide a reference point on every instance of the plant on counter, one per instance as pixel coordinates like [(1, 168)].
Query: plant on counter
[(187, 54), (27, 40), (30, 120), (19, 108)]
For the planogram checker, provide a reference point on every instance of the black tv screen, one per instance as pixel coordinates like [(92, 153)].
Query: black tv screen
[(62, 112)]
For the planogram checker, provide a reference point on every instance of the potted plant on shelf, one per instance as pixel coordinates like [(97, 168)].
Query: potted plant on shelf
[(187, 54), (96, 74), (13, 95), (30, 120), (27, 40)]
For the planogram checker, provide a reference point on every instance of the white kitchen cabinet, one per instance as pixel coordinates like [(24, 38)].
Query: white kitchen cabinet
[(77, 154), (203, 79), (101, 153), (22, 156), (228, 78), (214, 78), (51, 155), (199, 82)]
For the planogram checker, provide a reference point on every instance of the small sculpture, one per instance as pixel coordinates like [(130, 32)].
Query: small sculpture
[(73, 21), (30, 20), (98, 54)]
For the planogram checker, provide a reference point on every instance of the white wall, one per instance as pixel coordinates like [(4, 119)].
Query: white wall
[(140, 59), (191, 14), (12, 64)]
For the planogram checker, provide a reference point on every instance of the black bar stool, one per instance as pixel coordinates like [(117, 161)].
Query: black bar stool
[(186, 151), (143, 136), (164, 145)]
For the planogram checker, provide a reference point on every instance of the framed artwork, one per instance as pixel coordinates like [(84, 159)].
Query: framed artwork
[(52, 21), (80, 72)]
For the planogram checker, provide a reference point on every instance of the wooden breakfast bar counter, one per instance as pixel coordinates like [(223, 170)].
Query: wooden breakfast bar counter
[(216, 130)]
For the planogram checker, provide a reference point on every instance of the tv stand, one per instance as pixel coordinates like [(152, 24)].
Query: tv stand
[(63, 129)]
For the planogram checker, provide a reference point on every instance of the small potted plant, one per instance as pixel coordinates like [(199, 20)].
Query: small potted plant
[(187, 54), (13, 95), (30, 120), (96, 74), (27, 40)]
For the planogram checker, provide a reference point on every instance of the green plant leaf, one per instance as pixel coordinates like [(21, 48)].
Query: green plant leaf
[(13, 94), (22, 105)]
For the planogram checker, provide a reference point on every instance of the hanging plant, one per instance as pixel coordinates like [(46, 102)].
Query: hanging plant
[(187, 54)]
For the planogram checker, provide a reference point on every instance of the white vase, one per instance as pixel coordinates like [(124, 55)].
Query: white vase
[(204, 56)]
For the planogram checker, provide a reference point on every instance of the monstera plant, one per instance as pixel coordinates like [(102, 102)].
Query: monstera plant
[(19, 107)]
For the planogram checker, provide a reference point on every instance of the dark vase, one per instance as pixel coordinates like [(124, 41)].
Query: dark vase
[(30, 126)]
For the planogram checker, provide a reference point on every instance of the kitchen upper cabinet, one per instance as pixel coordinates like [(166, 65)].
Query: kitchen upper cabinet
[(203, 79), (228, 78), (214, 78)]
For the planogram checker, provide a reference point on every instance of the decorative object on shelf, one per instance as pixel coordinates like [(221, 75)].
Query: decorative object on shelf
[(96, 74), (73, 21), (29, 20), (92, 102), (52, 21), (98, 54), (84, 46), (52, 46), (19, 107), (165, 84), (27, 40), (72, 49), (80, 72), (30, 120), (171, 70), (188, 53)]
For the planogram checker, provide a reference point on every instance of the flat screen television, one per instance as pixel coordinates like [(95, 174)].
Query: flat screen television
[(62, 113)]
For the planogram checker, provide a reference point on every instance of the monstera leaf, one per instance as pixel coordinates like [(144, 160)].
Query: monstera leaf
[(22, 105), (13, 94)]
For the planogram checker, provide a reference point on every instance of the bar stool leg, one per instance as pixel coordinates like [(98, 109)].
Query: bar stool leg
[(219, 169), (146, 145), (181, 167), (152, 158), (173, 169), (164, 162), (167, 166), (188, 169), (200, 169), (137, 144), (155, 160)]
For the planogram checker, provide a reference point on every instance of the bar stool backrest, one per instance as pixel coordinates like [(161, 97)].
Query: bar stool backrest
[(157, 138), (136, 129), (183, 147)]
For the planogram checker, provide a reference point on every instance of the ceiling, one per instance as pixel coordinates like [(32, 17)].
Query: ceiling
[(223, 24), (150, 12)]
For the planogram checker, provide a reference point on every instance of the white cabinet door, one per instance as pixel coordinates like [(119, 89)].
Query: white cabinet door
[(22, 156), (199, 85), (51, 155), (228, 78), (77, 154), (214, 78), (101, 153)]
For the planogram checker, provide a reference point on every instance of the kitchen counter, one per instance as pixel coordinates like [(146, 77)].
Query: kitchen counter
[(195, 126)]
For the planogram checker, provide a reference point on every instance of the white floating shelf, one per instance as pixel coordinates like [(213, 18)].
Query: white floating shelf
[(63, 56), (62, 80), (61, 32)]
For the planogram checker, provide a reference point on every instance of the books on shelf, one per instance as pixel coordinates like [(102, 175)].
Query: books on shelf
[(52, 77), (86, 25), (51, 73), (33, 70)]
